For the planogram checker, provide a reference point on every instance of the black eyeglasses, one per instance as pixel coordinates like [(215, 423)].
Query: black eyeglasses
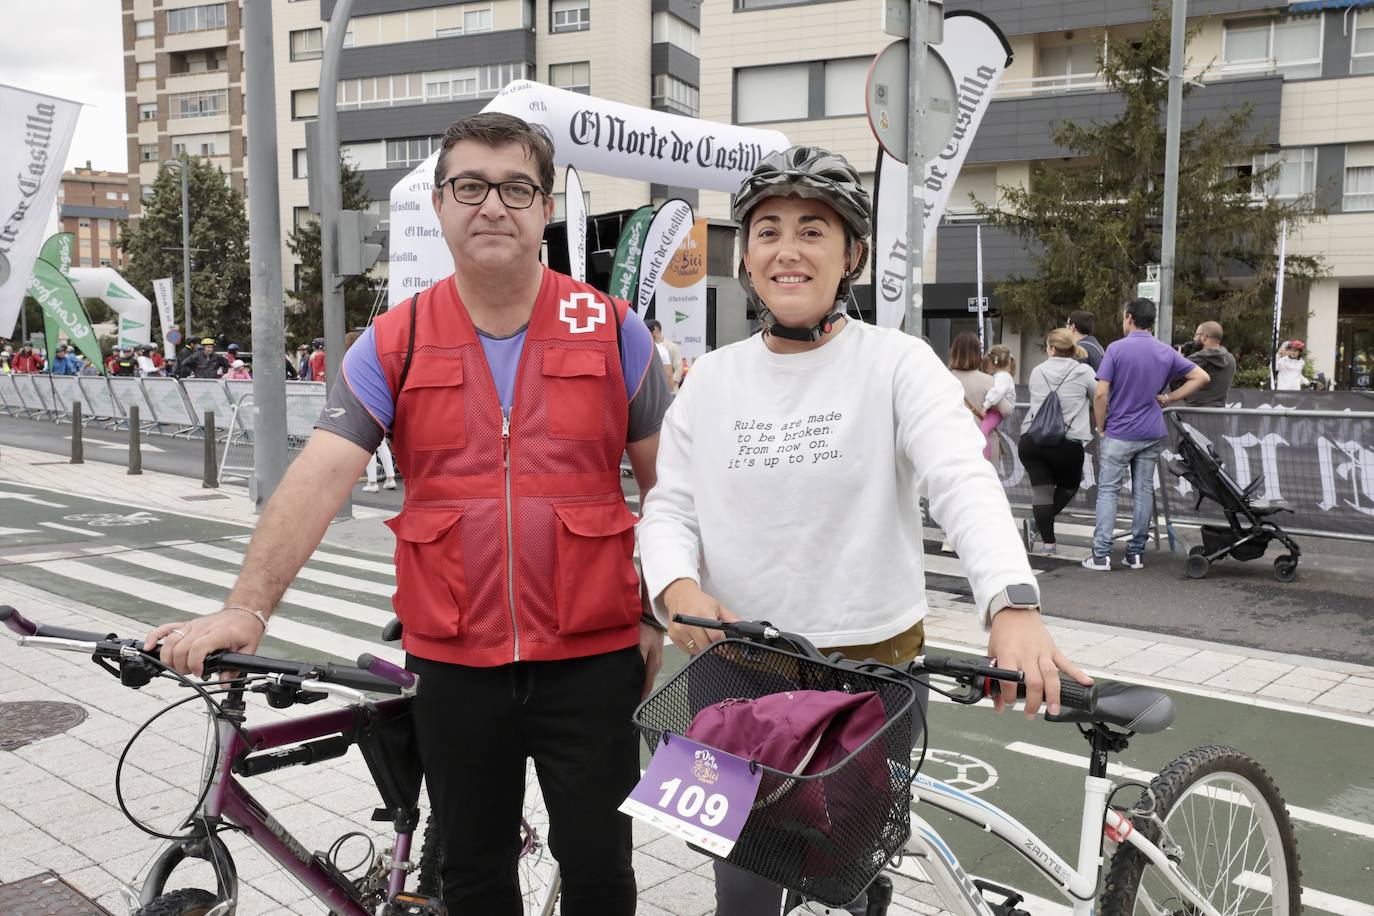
[(518, 195)]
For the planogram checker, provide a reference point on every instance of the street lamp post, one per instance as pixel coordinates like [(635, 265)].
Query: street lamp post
[(180, 166)]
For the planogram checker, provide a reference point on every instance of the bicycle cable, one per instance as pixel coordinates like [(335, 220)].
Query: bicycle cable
[(216, 714), (337, 847)]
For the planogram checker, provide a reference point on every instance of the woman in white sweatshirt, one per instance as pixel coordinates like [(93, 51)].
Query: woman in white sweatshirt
[(790, 470)]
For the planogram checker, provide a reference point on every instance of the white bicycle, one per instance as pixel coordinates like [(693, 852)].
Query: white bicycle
[(1209, 836)]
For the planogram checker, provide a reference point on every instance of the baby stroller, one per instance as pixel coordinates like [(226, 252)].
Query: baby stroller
[(1249, 524)]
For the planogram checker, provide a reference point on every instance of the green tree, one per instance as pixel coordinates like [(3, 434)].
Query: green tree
[(1094, 225), (220, 297), (305, 313)]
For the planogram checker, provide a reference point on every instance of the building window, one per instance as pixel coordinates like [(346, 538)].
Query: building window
[(147, 70), (1291, 46), (462, 21), (560, 204), (147, 111), (305, 104), (675, 95), (1066, 66), (307, 44), (743, 5), (1362, 43), (436, 86), (112, 195), (83, 223), (299, 164), (1297, 174), (772, 93), (147, 152), (575, 76), (570, 15), (846, 81), (1359, 177), (104, 226), (382, 210), (201, 145), (408, 152), (300, 216), (143, 28), (199, 104), (145, 191), (675, 31), (196, 18)]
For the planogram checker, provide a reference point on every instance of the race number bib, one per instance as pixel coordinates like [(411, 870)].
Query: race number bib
[(696, 793)]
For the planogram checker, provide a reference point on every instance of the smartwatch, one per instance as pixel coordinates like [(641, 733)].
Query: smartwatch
[(1021, 595)]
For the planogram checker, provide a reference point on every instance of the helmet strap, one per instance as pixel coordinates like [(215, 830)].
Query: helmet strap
[(804, 335)]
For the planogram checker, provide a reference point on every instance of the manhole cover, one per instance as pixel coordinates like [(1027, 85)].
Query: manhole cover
[(46, 894), (25, 723)]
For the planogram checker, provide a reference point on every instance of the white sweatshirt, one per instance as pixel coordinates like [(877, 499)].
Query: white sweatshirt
[(788, 486), (1003, 386)]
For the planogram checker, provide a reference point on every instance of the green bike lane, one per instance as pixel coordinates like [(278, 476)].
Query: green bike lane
[(155, 566)]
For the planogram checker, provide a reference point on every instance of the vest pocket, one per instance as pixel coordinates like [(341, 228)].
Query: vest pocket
[(574, 380), (431, 592), (594, 578), (433, 403)]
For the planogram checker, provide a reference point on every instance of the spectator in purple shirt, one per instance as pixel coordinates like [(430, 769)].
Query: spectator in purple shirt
[(1128, 408)]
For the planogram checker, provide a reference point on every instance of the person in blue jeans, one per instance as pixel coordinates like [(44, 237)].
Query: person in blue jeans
[(1129, 410)]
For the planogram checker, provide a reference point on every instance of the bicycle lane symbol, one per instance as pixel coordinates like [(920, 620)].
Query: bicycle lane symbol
[(961, 771), (112, 519)]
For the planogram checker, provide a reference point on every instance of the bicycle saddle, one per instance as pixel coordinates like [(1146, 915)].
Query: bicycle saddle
[(1139, 709)]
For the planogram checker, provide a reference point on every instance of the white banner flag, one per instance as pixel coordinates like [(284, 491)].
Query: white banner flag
[(976, 53), (35, 131), (667, 232), (681, 305), (162, 291), (575, 211)]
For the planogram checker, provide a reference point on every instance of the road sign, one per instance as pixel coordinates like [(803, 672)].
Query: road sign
[(172, 336), (885, 98), (1149, 289), (976, 304)]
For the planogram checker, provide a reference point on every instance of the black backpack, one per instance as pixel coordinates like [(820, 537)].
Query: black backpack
[(1048, 427)]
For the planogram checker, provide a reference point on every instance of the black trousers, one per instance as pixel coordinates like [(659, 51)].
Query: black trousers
[(476, 727), (1055, 471)]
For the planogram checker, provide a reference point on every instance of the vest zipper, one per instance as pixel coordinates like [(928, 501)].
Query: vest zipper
[(510, 533)]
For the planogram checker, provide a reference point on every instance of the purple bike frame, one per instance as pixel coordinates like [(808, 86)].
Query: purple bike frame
[(228, 799)]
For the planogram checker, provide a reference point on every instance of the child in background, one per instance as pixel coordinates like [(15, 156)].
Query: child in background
[(1001, 365), (238, 370)]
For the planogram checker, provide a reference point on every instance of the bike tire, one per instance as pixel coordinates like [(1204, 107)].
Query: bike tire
[(1195, 793), (189, 901)]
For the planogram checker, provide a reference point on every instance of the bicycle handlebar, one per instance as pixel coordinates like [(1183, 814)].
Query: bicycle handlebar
[(982, 678), (373, 675)]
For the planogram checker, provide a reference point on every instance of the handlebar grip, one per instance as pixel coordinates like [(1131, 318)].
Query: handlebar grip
[(1073, 695), (706, 623), (17, 621), (384, 669), (252, 664), (358, 679)]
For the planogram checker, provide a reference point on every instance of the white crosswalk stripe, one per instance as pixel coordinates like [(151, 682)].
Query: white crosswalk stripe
[(186, 602), (338, 559), (310, 575)]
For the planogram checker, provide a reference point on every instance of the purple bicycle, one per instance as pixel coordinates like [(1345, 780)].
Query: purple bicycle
[(381, 728)]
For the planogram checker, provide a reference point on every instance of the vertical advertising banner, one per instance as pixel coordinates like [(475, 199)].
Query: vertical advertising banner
[(976, 53), (575, 211), (681, 307), (625, 268), (35, 131), (162, 291), (57, 251), (670, 226)]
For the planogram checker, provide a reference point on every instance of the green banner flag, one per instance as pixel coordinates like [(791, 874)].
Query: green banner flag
[(62, 309), (625, 269), (57, 251)]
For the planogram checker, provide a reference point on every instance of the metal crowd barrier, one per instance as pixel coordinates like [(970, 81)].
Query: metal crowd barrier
[(167, 406), (304, 401)]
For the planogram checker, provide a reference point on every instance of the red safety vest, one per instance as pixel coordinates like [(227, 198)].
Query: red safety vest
[(514, 542)]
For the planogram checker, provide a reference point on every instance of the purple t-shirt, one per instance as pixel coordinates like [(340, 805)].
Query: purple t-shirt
[(1138, 367)]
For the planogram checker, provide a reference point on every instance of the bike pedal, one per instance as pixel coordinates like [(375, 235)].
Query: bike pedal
[(1010, 898), (408, 904)]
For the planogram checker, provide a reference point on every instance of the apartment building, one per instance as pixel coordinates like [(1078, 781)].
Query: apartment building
[(90, 204), (1307, 68)]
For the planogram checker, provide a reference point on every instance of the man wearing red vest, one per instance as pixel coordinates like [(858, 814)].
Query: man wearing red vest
[(511, 392)]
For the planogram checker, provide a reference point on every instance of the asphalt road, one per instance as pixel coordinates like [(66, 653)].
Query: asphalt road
[(1328, 612)]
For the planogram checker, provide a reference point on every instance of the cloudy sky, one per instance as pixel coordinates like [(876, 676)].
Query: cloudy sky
[(72, 49)]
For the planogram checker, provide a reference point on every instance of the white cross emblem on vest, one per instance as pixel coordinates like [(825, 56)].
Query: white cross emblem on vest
[(579, 306)]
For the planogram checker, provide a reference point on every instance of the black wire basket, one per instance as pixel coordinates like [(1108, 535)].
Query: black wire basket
[(826, 835)]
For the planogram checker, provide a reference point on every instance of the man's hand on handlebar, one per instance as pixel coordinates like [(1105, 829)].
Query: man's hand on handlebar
[(185, 645), (1020, 640), (685, 597)]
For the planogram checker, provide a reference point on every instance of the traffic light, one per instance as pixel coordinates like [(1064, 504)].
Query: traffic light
[(356, 254)]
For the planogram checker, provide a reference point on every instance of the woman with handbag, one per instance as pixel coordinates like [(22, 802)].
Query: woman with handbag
[(1055, 432)]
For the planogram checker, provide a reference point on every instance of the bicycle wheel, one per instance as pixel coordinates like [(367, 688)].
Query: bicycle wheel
[(540, 882), (1226, 829)]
